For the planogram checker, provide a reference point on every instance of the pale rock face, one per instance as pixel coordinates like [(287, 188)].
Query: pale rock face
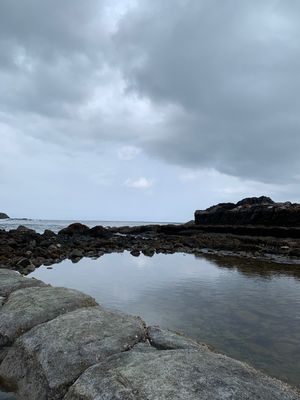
[(11, 281), (26, 308), (46, 360), (185, 374)]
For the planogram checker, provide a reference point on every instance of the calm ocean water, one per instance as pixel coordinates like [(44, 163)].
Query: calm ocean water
[(40, 225)]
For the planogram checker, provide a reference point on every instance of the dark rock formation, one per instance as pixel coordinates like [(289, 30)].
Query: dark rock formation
[(3, 216), (74, 229), (251, 211)]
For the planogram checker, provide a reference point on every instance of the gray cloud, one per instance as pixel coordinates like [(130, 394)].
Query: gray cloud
[(232, 71), (208, 83)]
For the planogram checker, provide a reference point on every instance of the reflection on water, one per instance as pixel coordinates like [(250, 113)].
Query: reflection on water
[(248, 310), (6, 396)]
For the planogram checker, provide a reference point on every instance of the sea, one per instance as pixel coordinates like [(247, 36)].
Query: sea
[(245, 308), (40, 225)]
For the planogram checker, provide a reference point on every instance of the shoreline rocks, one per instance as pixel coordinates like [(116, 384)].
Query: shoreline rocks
[(3, 216), (91, 353), (24, 250), (226, 229), (254, 211)]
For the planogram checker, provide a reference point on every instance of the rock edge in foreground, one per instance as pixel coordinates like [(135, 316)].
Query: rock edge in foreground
[(88, 353)]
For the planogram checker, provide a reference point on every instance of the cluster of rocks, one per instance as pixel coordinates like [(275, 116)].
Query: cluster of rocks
[(24, 249), (59, 344), (251, 211)]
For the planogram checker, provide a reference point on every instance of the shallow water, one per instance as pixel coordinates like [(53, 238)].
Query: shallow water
[(6, 396), (248, 310)]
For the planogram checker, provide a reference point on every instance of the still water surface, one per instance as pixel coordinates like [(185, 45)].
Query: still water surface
[(248, 310)]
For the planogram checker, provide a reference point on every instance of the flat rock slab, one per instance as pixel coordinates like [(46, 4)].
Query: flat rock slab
[(163, 339), (45, 361), (12, 280), (26, 308), (176, 374)]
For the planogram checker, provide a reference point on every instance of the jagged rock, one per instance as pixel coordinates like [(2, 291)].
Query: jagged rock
[(248, 201), (74, 229), (24, 229), (251, 211), (48, 234), (23, 262), (135, 253), (99, 232), (45, 361), (32, 306), (3, 216), (11, 281), (176, 375), (76, 253)]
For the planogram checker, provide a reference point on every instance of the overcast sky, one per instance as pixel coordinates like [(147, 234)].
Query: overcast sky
[(147, 109)]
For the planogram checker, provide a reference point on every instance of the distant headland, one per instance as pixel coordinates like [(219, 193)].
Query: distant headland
[(3, 216)]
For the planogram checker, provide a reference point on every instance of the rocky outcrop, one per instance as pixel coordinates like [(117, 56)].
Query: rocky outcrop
[(24, 249), (175, 375), (66, 347), (4, 216), (251, 211)]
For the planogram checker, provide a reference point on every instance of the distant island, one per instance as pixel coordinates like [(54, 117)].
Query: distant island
[(4, 216)]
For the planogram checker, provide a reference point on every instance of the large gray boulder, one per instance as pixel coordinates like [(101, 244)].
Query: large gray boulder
[(26, 308), (176, 375), (45, 361), (12, 280)]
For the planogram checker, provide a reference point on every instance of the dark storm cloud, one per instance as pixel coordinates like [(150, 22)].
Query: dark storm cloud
[(232, 69), (50, 52)]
